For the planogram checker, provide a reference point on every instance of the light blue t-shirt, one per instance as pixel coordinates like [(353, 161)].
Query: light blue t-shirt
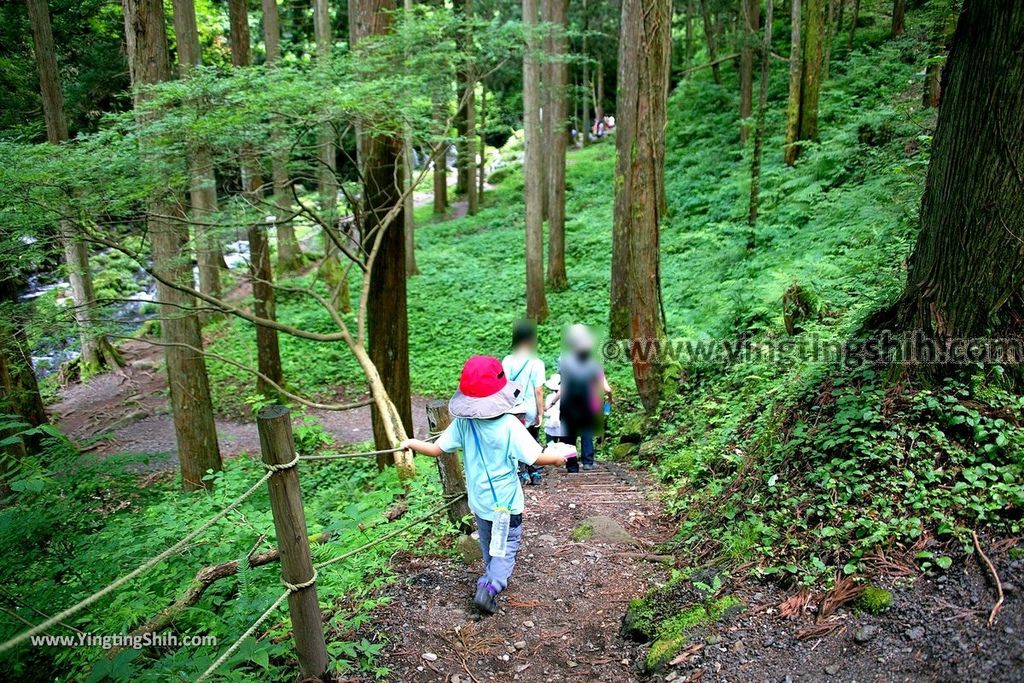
[(491, 450), (527, 371)]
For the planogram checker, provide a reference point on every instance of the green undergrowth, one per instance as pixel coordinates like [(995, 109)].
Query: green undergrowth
[(666, 616), (67, 536)]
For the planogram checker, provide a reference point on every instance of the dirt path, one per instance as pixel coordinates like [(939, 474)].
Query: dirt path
[(561, 614), (129, 413), (561, 617)]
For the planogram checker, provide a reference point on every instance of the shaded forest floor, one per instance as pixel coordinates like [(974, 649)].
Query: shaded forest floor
[(561, 618), (128, 412)]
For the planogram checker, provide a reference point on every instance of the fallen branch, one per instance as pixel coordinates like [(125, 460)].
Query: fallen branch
[(205, 578), (995, 577)]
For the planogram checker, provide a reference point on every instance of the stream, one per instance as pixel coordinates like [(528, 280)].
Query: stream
[(51, 352)]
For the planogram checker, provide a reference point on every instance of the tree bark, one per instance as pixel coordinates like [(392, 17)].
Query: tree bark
[(750, 18), (202, 180), (942, 31), (792, 151), (709, 37), (555, 116), (387, 316), (831, 26), (481, 175), (408, 210), (268, 353), (586, 85), (97, 351), (644, 64), (536, 301), (327, 164), (762, 110), (814, 54), (198, 452), (855, 16), (688, 48), (966, 272), (899, 11), (289, 253)]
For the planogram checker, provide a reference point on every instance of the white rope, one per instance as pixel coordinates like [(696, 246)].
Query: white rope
[(281, 467), (145, 566), (362, 454), (296, 587)]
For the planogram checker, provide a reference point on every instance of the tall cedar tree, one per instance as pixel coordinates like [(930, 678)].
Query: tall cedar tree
[(327, 161), (555, 115), (536, 301), (644, 58), (387, 314), (965, 276), (289, 254), (198, 452), (759, 128), (750, 11), (795, 70), (97, 351), (268, 352), (202, 192), (467, 94), (899, 12), (408, 210), (709, 37)]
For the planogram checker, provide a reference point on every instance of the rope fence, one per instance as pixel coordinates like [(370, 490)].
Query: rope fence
[(280, 460)]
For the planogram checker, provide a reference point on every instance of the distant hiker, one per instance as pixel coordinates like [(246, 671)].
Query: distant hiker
[(553, 427), (582, 386), (523, 367), (492, 441)]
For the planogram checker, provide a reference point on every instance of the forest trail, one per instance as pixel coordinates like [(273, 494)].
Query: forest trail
[(561, 615), (129, 413)]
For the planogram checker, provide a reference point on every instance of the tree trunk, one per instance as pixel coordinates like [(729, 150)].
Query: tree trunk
[(599, 95), (202, 180), (268, 353), (586, 85), (387, 317), (97, 351), (855, 16), (814, 54), (689, 35), (409, 206), (942, 31), (831, 26), (536, 301), (481, 175), (899, 11), (558, 279), (762, 110), (644, 64), (792, 150), (289, 253), (327, 163), (965, 276), (198, 452), (751, 10), (709, 37)]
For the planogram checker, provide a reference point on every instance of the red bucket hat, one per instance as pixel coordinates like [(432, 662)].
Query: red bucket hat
[(484, 391)]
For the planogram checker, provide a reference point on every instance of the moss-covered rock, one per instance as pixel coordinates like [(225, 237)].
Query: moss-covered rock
[(631, 429), (623, 451), (874, 600), (583, 532), (673, 633)]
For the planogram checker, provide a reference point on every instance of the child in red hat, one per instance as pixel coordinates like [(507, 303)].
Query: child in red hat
[(493, 443)]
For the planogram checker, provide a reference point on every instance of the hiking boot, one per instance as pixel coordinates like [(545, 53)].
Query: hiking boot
[(589, 466), (524, 478), (485, 598), (535, 478)]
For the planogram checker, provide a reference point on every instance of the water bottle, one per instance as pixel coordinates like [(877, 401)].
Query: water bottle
[(607, 408), (499, 532)]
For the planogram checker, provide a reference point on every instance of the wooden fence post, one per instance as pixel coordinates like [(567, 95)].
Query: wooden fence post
[(278, 447), (449, 466)]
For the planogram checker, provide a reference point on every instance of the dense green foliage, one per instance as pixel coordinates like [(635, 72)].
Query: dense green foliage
[(75, 526)]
